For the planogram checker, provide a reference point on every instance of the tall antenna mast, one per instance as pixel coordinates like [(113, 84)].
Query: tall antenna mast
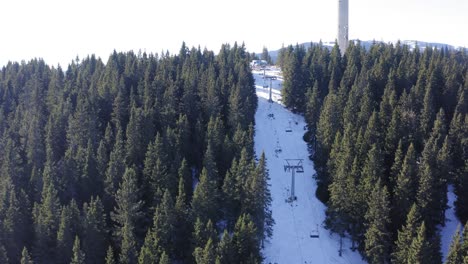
[(343, 25)]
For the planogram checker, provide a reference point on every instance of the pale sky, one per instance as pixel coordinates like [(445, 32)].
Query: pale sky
[(59, 30)]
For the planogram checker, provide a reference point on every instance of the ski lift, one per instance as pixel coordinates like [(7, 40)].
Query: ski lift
[(288, 128), (278, 148), (299, 167), (314, 233)]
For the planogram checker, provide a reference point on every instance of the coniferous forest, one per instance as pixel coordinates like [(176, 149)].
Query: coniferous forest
[(388, 134), (144, 159)]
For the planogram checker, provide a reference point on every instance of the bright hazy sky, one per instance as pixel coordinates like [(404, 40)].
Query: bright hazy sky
[(59, 30)]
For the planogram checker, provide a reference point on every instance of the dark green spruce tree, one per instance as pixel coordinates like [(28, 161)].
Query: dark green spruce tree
[(126, 216), (377, 236)]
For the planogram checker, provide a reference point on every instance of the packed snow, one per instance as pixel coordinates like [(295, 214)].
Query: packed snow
[(451, 223), (297, 224)]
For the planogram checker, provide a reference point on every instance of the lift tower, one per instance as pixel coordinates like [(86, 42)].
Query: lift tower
[(293, 165)]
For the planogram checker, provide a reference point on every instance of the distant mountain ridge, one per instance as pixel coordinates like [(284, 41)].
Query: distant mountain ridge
[(368, 43)]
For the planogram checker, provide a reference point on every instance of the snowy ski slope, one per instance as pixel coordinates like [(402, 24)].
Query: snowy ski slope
[(295, 223)]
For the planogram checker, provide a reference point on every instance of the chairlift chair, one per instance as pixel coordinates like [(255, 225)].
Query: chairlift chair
[(288, 128), (314, 233), (278, 148)]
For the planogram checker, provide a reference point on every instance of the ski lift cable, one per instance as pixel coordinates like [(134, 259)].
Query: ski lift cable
[(297, 235)]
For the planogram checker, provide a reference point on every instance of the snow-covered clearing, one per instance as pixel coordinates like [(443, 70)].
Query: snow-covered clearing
[(451, 223), (295, 222)]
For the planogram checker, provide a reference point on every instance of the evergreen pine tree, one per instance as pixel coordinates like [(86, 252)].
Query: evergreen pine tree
[(110, 256), (245, 240), (126, 215), (406, 235), (427, 191), (351, 107), (372, 135), (327, 126), (225, 249), (206, 255), (68, 229), (366, 108), (393, 133), (214, 144), (150, 251), (91, 182), (429, 108), (419, 250), (293, 88), (128, 245), (163, 224), (78, 254), (204, 202), (397, 164), (257, 200), (266, 56), (209, 163), (102, 159), (156, 171), (405, 186), (94, 231), (461, 189), (313, 111), (46, 223), (199, 236), (25, 257), (231, 196), (3, 255), (134, 143), (377, 237), (464, 247), (342, 188), (185, 176), (181, 221), (16, 227), (444, 162), (372, 170), (115, 170), (455, 254), (164, 259)]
